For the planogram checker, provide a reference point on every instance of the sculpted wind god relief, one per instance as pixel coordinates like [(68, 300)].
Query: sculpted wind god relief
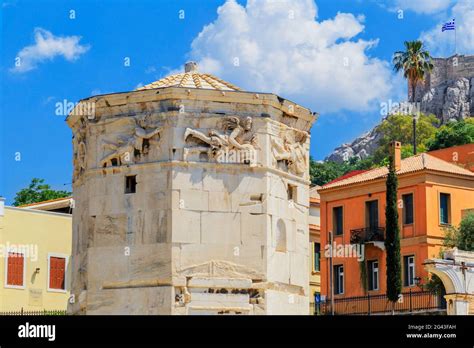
[(237, 144), (290, 150), (79, 155), (124, 152)]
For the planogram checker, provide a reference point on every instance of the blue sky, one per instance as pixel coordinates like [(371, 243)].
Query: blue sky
[(86, 56)]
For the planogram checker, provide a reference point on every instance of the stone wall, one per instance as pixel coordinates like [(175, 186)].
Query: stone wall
[(447, 91), (197, 235), (452, 68)]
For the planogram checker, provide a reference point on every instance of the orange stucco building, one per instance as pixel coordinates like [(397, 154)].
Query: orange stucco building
[(433, 193), (462, 155)]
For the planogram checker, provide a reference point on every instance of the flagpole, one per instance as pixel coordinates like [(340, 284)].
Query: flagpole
[(455, 43), (455, 47)]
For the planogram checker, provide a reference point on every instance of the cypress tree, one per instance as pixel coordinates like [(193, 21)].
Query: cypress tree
[(392, 236)]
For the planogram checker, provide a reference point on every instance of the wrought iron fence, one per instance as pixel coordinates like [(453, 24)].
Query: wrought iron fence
[(367, 234), (410, 302), (39, 312)]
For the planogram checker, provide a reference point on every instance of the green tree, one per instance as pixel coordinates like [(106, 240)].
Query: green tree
[(434, 284), (461, 237), (451, 134), (400, 128), (415, 62), (323, 172), (392, 238), (37, 191)]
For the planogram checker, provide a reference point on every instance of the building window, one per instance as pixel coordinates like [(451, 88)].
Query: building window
[(407, 209), (317, 257), (317, 303), (57, 273), (15, 269), (444, 203), (337, 220), (291, 190), (338, 279), (409, 270), (131, 184), (373, 273), (372, 214)]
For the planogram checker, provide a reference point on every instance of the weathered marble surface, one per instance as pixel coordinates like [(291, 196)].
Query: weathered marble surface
[(193, 220)]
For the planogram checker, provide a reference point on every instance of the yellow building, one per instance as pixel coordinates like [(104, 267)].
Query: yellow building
[(35, 247), (315, 248)]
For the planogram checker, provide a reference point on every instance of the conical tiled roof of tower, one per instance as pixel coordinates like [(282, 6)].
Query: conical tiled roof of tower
[(192, 78)]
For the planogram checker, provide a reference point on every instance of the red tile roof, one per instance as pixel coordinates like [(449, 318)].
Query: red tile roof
[(411, 164), (346, 176)]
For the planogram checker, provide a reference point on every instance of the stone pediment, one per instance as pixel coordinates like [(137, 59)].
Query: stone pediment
[(221, 269)]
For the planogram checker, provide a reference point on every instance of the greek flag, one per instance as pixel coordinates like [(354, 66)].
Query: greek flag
[(448, 26)]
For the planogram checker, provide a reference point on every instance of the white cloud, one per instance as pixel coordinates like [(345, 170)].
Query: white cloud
[(6, 4), (48, 100), (150, 70), (281, 47), (423, 6), (442, 43), (48, 46)]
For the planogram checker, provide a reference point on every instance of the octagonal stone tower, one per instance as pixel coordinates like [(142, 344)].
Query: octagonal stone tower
[(191, 197)]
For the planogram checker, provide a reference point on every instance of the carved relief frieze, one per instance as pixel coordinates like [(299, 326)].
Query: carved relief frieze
[(79, 151), (127, 150), (235, 143), (289, 151)]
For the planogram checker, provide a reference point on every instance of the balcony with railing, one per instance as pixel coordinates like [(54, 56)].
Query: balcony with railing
[(367, 234), (412, 301)]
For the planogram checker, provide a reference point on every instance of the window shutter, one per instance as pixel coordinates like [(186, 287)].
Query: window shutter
[(10, 274), (57, 267), (52, 272), (15, 269), (61, 263)]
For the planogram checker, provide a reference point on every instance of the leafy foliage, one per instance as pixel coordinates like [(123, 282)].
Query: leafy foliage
[(363, 274), (37, 191), (434, 285), (392, 238), (400, 128), (415, 62), (323, 172), (462, 236), (452, 134)]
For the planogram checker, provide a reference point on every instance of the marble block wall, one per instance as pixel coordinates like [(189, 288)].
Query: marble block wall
[(173, 216)]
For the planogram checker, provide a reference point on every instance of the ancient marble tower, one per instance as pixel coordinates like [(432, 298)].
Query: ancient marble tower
[(191, 197)]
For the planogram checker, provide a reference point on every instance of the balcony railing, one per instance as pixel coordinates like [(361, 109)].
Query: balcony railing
[(410, 302), (367, 234)]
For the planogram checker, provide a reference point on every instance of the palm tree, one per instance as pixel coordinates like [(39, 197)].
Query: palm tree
[(415, 62)]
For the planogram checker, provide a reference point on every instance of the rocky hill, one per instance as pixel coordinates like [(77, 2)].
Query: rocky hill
[(448, 93)]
